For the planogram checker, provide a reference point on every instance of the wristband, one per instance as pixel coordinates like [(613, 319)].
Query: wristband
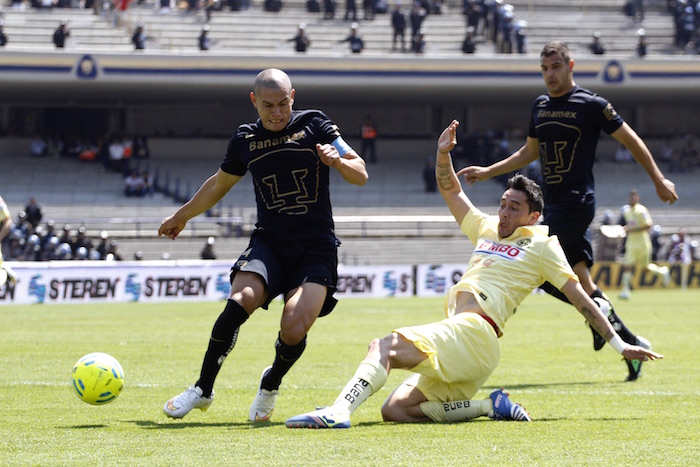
[(618, 344)]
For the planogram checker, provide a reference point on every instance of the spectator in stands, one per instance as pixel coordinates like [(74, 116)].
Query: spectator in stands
[(113, 253), (472, 11), (354, 39), (638, 248), (369, 9), (133, 184), (313, 6), (66, 236), (103, 247), (148, 183), (61, 34), (328, 9), (520, 36), (667, 149), (368, 134), (34, 213), (638, 10), (208, 250), (272, 5), (418, 42), (140, 147), (204, 40), (117, 162), (416, 18), (350, 10), (139, 37), (48, 234), (469, 44), (398, 25), (301, 40), (38, 146), (81, 241), (597, 47), (3, 36), (642, 48)]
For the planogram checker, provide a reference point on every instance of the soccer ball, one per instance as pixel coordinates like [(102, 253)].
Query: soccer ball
[(98, 378)]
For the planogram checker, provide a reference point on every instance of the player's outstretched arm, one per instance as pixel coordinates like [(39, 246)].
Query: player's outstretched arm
[(595, 317), (520, 158), (447, 180), (665, 188), (210, 193)]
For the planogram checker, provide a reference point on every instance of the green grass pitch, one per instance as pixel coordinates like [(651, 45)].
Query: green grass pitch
[(583, 413)]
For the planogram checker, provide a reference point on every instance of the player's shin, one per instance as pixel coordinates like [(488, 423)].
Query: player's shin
[(455, 411), (285, 357), (222, 340), (615, 320), (368, 379)]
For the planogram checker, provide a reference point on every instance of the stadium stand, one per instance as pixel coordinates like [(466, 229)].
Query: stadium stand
[(82, 193), (255, 31)]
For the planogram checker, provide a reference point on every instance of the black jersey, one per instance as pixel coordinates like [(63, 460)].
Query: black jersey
[(568, 128), (291, 183)]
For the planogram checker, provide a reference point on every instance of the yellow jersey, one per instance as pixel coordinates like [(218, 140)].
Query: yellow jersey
[(503, 271)]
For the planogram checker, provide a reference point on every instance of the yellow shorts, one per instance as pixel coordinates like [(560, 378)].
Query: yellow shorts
[(462, 353), (638, 253)]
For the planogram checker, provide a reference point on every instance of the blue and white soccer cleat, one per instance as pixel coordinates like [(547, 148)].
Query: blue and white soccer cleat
[(326, 417), (505, 409)]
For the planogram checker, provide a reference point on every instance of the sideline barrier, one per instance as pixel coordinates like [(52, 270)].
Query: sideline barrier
[(197, 280)]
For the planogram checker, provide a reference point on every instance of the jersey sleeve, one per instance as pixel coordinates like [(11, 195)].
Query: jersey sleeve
[(555, 268), (328, 131), (473, 224), (610, 120), (233, 164)]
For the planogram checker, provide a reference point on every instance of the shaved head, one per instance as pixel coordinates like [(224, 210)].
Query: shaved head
[(272, 79)]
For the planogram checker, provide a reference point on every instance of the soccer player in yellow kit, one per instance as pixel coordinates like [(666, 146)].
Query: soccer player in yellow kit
[(5, 225), (451, 359), (638, 244)]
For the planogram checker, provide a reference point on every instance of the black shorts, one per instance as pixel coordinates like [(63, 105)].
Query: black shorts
[(570, 222), (285, 265)]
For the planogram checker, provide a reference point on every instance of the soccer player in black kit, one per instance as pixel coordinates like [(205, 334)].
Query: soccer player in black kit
[(293, 250), (564, 128)]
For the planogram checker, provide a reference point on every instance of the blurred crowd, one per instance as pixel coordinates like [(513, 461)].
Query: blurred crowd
[(33, 239), (488, 22)]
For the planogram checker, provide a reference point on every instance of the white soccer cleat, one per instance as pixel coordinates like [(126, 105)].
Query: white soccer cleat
[(667, 276), (182, 404), (264, 403)]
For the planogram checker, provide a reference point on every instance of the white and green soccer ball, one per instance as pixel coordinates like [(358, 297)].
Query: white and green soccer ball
[(98, 378)]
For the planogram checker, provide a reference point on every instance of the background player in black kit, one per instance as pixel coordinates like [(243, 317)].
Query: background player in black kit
[(564, 128), (293, 250)]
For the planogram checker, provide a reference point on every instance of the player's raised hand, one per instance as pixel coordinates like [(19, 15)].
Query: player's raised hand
[(448, 138)]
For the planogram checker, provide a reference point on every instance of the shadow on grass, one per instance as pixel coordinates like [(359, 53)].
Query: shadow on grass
[(509, 387), (167, 425)]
